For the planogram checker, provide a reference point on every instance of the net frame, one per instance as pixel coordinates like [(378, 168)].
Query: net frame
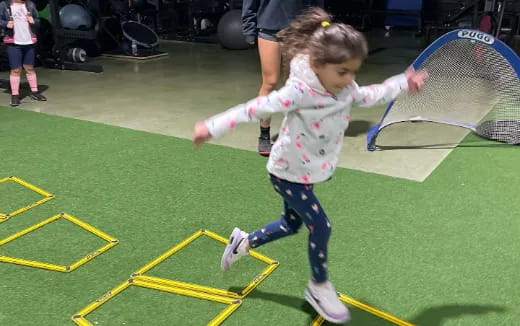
[(466, 35)]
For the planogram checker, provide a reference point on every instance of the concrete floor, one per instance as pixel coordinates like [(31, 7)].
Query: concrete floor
[(168, 95)]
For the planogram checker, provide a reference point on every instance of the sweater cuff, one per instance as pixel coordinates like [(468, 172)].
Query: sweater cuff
[(402, 81), (213, 129)]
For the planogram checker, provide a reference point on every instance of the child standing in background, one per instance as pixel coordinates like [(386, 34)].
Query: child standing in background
[(19, 18)]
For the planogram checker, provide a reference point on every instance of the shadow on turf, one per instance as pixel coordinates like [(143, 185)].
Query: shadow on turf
[(436, 316), (472, 140), (357, 127), (466, 144), (299, 303), (289, 301)]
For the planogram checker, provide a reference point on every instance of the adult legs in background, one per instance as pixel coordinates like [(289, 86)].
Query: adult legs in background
[(270, 61)]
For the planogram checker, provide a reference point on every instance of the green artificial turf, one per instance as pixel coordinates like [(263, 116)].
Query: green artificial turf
[(440, 252)]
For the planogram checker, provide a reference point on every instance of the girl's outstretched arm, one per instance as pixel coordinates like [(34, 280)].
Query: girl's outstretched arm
[(284, 100), (411, 81)]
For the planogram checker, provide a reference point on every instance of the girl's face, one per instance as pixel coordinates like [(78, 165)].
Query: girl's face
[(335, 77)]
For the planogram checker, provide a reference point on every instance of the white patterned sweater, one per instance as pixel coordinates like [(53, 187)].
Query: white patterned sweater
[(312, 131)]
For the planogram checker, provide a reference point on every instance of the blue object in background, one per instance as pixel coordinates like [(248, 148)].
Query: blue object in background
[(400, 20)]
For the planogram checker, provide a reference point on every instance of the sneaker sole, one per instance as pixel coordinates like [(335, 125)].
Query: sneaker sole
[(333, 319), (264, 153), (232, 242)]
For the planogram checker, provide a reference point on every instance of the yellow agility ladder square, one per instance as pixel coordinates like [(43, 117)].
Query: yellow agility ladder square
[(363, 306), (60, 268), (233, 304), (163, 282), (47, 196)]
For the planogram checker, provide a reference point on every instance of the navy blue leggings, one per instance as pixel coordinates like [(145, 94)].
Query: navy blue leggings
[(300, 206)]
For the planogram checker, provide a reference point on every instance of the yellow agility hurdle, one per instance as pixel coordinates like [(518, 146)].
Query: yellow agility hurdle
[(233, 304), (162, 282), (232, 299), (374, 311), (79, 318), (47, 196), (60, 268)]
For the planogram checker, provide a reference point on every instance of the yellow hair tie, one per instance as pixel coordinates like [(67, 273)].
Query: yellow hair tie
[(325, 23)]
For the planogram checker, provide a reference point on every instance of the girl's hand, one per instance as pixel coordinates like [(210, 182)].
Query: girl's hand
[(30, 19), (415, 79), (200, 134), (10, 24)]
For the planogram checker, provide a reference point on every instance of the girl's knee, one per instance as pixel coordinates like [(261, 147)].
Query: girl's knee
[(29, 69), (16, 71), (291, 223)]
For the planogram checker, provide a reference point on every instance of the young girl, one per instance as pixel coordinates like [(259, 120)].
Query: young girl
[(262, 20), (316, 102), (19, 18)]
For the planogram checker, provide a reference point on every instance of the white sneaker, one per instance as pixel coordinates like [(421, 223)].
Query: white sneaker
[(235, 248), (324, 299)]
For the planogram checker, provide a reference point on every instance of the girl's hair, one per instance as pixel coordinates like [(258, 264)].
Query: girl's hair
[(313, 33)]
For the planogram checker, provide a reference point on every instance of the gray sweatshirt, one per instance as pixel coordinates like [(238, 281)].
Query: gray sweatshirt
[(312, 131), (271, 15)]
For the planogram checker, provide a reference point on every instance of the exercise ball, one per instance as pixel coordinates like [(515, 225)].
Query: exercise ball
[(229, 31), (74, 16)]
